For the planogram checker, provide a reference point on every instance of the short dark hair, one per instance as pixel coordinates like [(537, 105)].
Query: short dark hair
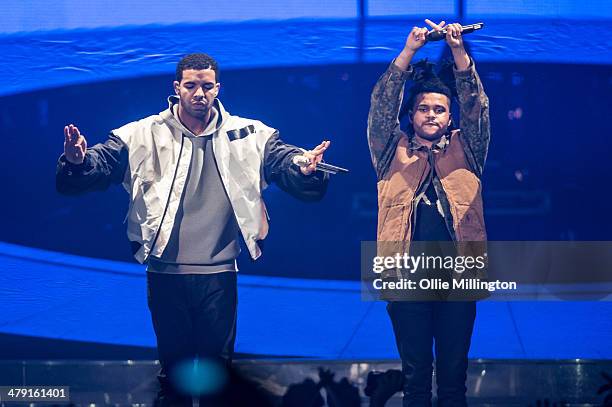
[(196, 61)]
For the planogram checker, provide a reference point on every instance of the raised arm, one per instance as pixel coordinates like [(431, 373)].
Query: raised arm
[(81, 169), (474, 106), (386, 100), (474, 103)]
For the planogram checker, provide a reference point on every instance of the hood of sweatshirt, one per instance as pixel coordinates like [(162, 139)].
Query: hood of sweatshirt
[(170, 117)]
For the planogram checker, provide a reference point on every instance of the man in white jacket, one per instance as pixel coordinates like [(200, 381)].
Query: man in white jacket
[(195, 175)]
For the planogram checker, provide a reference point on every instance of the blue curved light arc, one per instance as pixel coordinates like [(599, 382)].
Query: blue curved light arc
[(61, 296), (48, 59)]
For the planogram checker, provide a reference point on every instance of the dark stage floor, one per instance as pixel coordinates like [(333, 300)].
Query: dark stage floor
[(490, 382)]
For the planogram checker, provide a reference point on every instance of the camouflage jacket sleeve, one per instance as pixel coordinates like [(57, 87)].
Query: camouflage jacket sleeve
[(474, 110), (383, 122)]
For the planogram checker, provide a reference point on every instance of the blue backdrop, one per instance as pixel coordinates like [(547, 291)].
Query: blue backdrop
[(305, 68)]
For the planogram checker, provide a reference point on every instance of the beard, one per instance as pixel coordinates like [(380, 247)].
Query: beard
[(429, 135)]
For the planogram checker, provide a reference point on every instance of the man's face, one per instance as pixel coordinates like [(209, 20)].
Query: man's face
[(431, 115), (197, 91)]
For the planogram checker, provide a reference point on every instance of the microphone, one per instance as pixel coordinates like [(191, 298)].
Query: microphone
[(302, 161), (434, 35)]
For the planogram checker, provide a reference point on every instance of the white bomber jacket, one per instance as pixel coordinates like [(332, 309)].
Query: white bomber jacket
[(150, 158)]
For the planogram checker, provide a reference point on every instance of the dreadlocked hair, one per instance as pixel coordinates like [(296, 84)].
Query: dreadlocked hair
[(425, 80)]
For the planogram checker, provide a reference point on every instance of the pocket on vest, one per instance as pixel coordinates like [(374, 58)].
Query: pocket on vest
[(393, 222), (471, 224)]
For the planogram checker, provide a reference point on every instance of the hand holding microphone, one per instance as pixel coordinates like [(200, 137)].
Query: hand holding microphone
[(311, 158), (452, 33), (440, 31), (310, 161), (456, 30)]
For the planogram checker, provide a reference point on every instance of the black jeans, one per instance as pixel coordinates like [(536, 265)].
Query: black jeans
[(194, 315), (416, 325)]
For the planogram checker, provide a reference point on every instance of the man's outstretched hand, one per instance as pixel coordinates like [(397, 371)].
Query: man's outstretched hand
[(315, 156), (75, 144)]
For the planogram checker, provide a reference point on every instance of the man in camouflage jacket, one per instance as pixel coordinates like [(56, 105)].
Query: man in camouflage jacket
[(429, 189)]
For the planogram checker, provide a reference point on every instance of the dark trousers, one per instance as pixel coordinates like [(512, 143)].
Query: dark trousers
[(194, 315), (416, 325)]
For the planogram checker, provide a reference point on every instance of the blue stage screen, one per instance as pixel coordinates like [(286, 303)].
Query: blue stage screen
[(598, 9), (382, 8), (25, 16)]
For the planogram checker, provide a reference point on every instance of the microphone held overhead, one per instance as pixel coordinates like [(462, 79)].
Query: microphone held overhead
[(302, 161), (434, 35)]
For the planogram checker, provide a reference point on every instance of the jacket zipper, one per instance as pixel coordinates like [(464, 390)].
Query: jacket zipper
[(178, 162), (212, 146), (132, 197)]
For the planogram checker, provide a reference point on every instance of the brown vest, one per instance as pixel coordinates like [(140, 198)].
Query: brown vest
[(409, 168)]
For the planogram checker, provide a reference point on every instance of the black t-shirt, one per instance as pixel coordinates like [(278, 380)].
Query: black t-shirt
[(430, 223)]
